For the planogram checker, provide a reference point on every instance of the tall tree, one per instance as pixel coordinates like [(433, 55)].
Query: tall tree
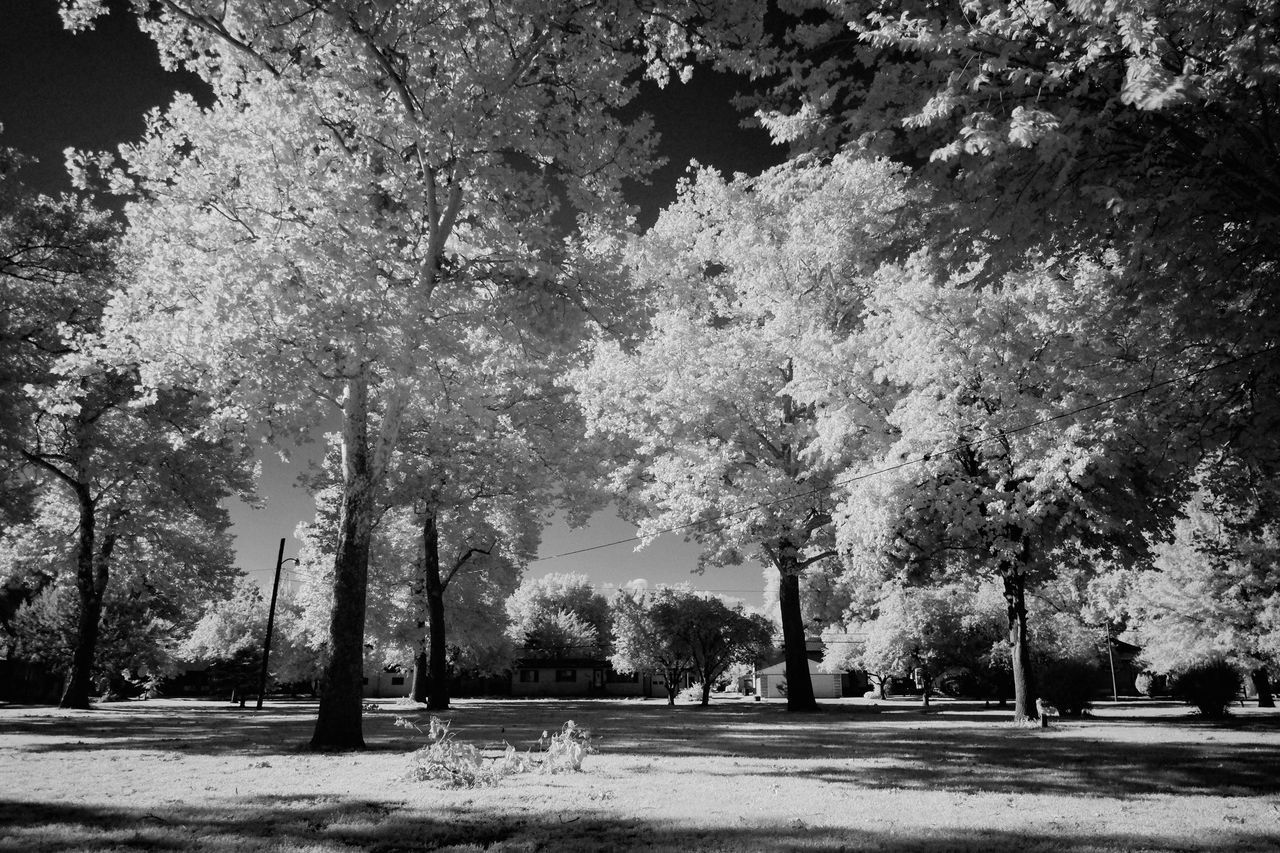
[(750, 294), (371, 183), (1214, 595), (1004, 451), (489, 438), (1144, 129), (136, 476)]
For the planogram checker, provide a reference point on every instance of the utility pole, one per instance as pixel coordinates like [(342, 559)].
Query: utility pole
[(271, 623), (1115, 692)]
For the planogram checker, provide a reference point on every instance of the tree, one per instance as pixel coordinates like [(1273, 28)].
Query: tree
[(371, 184), (559, 614), (161, 575), (146, 479), (921, 632), (1213, 595), (473, 588), (488, 444), (748, 298), (1077, 129), (717, 636), (676, 630), (1016, 443), (231, 635), (136, 646), (641, 643), (136, 476)]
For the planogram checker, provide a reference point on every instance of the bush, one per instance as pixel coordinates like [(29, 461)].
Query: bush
[(1145, 683), (1210, 687), (691, 694), (462, 765), (1069, 686)]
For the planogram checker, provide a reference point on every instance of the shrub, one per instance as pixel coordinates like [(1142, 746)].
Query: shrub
[(1210, 687), (691, 694), (1145, 683), (1069, 686), (462, 765), (565, 749)]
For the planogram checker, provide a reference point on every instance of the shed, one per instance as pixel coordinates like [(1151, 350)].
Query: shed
[(771, 682)]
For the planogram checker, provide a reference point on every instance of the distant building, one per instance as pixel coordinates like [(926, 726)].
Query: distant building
[(771, 682), (577, 672), (382, 684)]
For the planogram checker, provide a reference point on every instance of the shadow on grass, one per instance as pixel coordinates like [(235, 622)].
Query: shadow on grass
[(961, 750), (285, 824), (909, 750)]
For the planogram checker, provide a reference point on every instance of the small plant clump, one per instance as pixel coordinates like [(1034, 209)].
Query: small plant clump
[(565, 749), (460, 764), (1210, 686)]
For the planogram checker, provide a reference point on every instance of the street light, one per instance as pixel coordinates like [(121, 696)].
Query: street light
[(271, 621)]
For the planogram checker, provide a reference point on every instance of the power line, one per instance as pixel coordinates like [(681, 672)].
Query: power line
[(974, 442)]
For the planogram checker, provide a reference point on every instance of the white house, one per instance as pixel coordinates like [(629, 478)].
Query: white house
[(771, 682)]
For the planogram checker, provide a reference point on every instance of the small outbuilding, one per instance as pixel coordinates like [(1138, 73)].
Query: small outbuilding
[(771, 682)]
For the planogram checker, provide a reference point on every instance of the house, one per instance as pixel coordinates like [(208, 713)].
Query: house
[(576, 672), (771, 682), (381, 684)]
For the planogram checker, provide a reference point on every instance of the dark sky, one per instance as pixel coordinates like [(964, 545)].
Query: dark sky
[(92, 90)]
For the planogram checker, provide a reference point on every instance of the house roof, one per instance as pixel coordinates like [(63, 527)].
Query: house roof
[(561, 663), (780, 668)]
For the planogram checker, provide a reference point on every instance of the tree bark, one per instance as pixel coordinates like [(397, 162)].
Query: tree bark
[(1024, 698), (339, 722), (706, 693), (91, 585), (799, 685), (1262, 684), (419, 693), (673, 681), (437, 665)]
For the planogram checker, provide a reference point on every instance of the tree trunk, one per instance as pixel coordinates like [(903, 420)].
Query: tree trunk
[(706, 693), (1262, 684), (91, 584), (419, 693), (1024, 699), (673, 682), (438, 665), (799, 685), (339, 723)]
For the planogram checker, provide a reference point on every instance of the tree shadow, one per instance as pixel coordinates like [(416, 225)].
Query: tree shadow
[(288, 823), (961, 750), (195, 728)]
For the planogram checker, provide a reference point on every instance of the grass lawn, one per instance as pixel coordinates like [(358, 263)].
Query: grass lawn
[(192, 775)]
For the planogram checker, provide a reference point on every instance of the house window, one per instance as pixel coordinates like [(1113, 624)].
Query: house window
[(566, 675), (623, 677), (397, 680), (527, 675), (364, 680)]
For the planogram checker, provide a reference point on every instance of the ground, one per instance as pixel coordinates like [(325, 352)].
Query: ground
[(741, 775)]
